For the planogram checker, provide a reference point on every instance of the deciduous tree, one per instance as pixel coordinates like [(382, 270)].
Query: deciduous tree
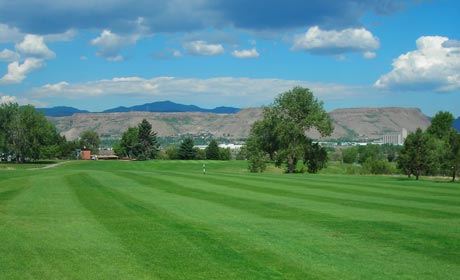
[(89, 139), (282, 131), (418, 154)]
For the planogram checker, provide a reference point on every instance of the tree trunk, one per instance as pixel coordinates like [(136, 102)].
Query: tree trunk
[(292, 161), (454, 172)]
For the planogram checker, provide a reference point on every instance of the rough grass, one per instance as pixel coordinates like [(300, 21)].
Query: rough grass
[(166, 220)]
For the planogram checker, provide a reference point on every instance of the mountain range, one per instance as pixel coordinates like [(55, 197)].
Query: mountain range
[(160, 107)]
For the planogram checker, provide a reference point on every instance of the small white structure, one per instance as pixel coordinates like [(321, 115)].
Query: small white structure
[(232, 147)]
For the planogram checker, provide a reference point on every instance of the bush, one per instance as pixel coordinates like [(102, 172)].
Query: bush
[(257, 162), (350, 155), (378, 167)]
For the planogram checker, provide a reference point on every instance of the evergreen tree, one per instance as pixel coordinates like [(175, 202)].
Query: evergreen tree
[(186, 150), (212, 150), (147, 146)]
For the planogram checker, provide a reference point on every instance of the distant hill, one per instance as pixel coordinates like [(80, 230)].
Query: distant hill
[(357, 123), (171, 107), (157, 107), (457, 124), (61, 111)]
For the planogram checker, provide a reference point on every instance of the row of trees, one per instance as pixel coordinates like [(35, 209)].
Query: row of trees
[(26, 135), (281, 135), (188, 151), (141, 143), (435, 151)]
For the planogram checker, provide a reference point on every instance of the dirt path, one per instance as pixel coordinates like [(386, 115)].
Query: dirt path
[(49, 166)]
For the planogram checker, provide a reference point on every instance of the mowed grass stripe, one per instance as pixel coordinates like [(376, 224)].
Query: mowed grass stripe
[(439, 246), (396, 184), (325, 198), (154, 236), (382, 191)]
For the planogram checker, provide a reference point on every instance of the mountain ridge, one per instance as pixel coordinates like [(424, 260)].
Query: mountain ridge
[(158, 106), (61, 111)]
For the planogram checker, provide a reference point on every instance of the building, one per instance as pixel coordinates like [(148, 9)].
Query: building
[(395, 139), (85, 154)]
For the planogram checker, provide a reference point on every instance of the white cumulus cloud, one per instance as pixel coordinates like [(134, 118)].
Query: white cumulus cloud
[(4, 99), (61, 37), (243, 92), (253, 53), (34, 46), (9, 34), (333, 42), (434, 65), (203, 48), (110, 44), (17, 72), (8, 55)]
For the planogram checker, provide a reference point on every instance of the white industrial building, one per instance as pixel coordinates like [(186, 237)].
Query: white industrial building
[(395, 139)]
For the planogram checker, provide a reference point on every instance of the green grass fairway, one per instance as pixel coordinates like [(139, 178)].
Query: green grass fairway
[(166, 220)]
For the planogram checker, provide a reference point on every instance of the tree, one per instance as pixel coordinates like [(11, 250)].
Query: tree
[(186, 150), (90, 140), (417, 155), (441, 124), (369, 151), (315, 157), (350, 155), (147, 146), (453, 153), (287, 119), (264, 133), (128, 142), (212, 150), (172, 152), (225, 154), (445, 142)]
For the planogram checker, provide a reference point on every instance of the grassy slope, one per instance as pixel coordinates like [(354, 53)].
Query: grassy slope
[(166, 220)]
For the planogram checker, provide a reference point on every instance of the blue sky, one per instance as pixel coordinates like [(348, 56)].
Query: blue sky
[(96, 55)]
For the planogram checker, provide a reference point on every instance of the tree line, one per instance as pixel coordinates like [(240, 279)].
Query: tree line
[(141, 143), (435, 151), (26, 135)]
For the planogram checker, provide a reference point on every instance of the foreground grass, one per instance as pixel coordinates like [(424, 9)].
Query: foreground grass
[(166, 220)]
